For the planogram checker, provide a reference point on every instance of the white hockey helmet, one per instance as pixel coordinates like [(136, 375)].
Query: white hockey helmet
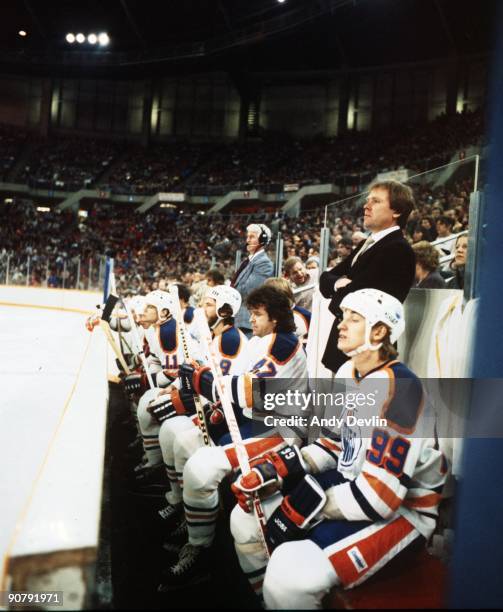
[(137, 304), (263, 232), (223, 294), (161, 300), (376, 307)]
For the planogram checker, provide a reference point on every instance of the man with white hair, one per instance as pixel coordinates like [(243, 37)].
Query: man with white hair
[(253, 271)]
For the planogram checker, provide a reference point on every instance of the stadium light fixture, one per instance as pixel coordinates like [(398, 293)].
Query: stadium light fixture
[(103, 39), (80, 38), (22, 33), (92, 39), (70, 38)]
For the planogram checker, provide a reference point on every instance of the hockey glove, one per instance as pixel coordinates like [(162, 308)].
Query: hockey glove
[(277, 470), (176, 403), (197, 379), (92, 322), (296, 514), (135, 384), (216, 414)]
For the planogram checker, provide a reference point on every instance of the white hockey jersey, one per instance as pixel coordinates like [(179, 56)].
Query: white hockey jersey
[(395, 467), (231, 347), (277, 355)]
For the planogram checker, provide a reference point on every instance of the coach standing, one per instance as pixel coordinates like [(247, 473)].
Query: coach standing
[(253, 271), (383, 261)]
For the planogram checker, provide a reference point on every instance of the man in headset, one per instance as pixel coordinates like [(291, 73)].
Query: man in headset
[(253, 271)]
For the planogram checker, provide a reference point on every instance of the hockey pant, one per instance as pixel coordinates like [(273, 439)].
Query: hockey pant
[(335, 553), (202, 474), (179, 438)]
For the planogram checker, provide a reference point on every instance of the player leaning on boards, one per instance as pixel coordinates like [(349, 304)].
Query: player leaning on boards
[(274, 351), (344, 506)]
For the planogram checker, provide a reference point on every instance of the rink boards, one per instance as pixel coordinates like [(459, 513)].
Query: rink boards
[(53, 375)]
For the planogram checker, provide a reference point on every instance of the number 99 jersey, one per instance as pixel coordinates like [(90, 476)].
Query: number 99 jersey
[(385, 451)]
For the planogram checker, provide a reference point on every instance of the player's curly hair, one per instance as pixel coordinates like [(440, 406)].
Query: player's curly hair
[(276, 304)]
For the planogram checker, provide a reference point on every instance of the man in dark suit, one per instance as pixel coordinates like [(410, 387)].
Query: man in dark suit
[(384, 261), (253, 271)]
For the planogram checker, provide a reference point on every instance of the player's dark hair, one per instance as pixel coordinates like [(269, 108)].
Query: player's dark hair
[(387, 351), (183, 292), (225, 312), (276, 304), (401, 198), (215, 276)]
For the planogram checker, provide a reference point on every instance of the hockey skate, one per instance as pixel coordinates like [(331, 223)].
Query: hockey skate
[(177, 538), (193, 566)]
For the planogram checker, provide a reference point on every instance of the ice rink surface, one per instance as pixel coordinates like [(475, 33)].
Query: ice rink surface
[(52, 416)]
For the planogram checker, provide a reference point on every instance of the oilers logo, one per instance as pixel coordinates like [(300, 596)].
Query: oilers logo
[(351, 442)]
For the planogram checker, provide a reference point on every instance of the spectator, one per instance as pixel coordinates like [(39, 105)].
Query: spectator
[(444, 226), (301, 278), (427, 260), (429, 231), (458, 263), (253, 271), (357, 238), (313, 263), (344, 249)]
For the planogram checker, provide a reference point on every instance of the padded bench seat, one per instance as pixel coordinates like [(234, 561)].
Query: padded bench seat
[(416, 581)]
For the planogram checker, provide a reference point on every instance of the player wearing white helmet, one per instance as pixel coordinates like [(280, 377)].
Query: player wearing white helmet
[(179, 436), (273, 352), (162, 335), (347, 504)]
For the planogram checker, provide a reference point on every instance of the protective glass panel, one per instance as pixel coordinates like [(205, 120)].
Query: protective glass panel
[(440, 192)]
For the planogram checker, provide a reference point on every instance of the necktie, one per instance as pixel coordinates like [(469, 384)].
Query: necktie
[(366, 245), (243, 265)]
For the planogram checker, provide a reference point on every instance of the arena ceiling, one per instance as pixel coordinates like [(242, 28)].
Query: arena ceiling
[(170, 35)]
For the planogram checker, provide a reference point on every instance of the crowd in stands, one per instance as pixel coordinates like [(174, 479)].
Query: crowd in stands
[(67, 164), (266, 163), (168, 244), (171, 243)]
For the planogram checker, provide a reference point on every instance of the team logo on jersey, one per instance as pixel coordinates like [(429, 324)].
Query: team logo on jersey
[(357, 559), (351, 442)]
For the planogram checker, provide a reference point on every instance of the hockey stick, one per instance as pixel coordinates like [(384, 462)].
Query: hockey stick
[(139, 346), (105, 326), (230, 417), (173, 289)]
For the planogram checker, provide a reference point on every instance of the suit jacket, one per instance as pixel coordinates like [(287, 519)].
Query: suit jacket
[(389, 265), (256, 272)]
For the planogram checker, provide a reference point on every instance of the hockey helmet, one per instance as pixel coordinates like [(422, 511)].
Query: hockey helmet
[(376, 307), (222, 294)]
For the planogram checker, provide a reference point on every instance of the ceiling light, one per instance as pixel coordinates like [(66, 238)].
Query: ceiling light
[(22, 33), (103, 39), (92, 39), (70, 38), (80, 38)]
